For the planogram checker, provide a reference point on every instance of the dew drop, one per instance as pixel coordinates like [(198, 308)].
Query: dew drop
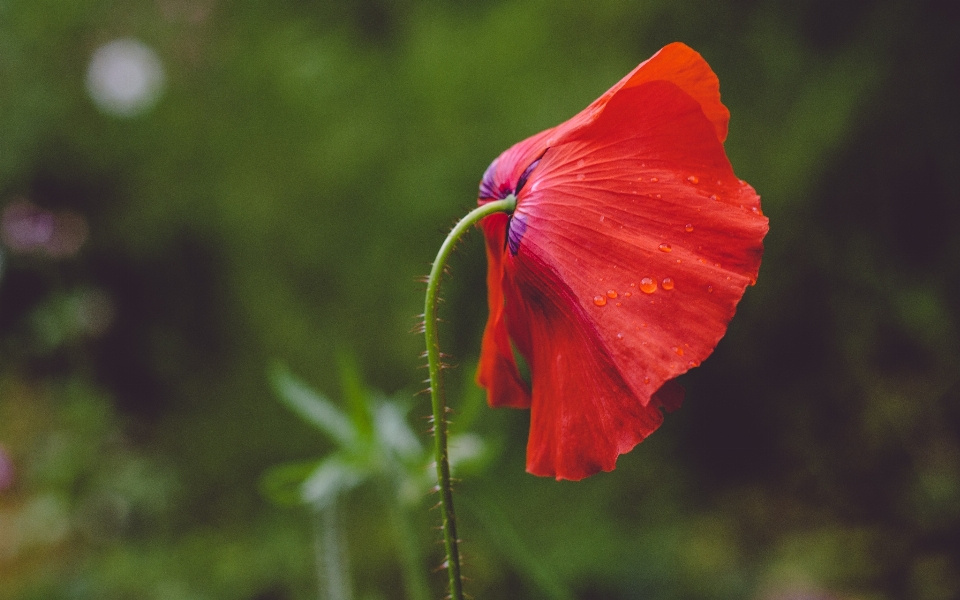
[(619, 336), (633, 285), (709, 288), (646, 380), (693, 179), (654, 180), (688, 227), (648, 285), (579, 176), (659, 196), (678, 350), (664, 247), (599, 300), (713, 196), (628, 294), (619, 304), (667, 283), (611, 293), (580, 163)]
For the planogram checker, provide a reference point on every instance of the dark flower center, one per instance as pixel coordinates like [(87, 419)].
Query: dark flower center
[(491, 190)]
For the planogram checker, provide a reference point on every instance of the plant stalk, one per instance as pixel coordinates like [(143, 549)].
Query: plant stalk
[(438, 401)]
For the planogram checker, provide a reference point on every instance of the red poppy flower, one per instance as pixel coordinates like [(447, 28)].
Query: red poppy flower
[(631, 243)]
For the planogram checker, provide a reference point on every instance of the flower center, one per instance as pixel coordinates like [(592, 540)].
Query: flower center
[(490, 189)]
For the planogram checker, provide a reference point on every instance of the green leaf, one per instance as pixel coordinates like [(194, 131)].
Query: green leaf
[(355, 393), (282, 484), (394, 433), (313, 408), (332, 477)]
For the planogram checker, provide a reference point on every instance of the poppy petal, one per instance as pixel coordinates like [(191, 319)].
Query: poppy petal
[(498, 371), (583, 414), (682, 66), (676, 63), (641, 216)]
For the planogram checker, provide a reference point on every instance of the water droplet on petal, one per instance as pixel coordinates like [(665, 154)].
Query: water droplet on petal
[(664, 247), (678, 350), (710, 288), (646, 380), (580, 163), (619, 336), (619, 304), (611, 293), (579, 176), (713, 196), (599, 300), (628, 294), (654, 180), (667, 283), (633, 285), (688, 227), (648, 285), (693, 179), (659, 196)]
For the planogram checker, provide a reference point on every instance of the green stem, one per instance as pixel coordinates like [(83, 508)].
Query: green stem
[(414, 578), (447, 515)]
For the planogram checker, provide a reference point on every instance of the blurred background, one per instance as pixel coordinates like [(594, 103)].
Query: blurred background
[(195, 190)]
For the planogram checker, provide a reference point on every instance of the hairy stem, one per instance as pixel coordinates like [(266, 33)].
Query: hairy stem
[(447, 515)]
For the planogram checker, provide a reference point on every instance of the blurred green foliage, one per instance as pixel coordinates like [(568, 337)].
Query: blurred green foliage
[(278, 200)]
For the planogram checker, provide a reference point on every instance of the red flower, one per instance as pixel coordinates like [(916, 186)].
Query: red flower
[(631, 243)]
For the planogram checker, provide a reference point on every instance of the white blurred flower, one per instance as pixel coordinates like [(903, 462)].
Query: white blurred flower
[(125, 78)]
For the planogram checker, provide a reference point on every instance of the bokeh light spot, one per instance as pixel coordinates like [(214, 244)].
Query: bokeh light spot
[(125, 78)]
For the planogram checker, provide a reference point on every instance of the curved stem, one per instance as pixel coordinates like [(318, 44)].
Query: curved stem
[(437, 398)]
